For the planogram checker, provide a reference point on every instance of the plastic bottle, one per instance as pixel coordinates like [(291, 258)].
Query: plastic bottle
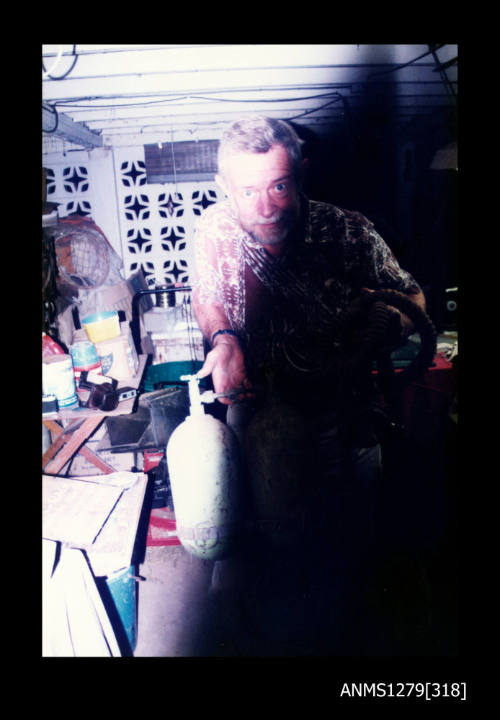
[(204, 468)]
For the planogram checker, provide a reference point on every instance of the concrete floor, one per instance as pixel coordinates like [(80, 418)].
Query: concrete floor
[(271, 599), (189, 607), (171, 602)]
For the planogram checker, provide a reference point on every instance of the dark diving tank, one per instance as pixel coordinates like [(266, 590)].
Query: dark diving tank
[(278, 470)]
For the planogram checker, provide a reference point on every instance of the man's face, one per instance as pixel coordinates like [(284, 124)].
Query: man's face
[(263, 190)]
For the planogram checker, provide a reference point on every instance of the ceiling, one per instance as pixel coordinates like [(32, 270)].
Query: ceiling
[(119, 95)]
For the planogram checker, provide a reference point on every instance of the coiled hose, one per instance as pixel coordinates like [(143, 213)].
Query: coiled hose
[(370, 317), (374, 308)]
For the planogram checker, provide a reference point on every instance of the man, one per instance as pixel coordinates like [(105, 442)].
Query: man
[(246, 303), (273, 272), (260, 167)]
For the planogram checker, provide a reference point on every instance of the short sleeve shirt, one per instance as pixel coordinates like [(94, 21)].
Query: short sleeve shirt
[(333, 254)]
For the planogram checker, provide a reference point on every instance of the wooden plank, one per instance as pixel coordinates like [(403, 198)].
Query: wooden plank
[(62, 437), (56, 430), (98, 514), (54, 427), (74, 510), (114, 546), (87, 453), (96, 460), (73, 444)]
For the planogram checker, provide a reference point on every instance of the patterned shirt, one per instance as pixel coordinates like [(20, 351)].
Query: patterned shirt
[(276, 303)]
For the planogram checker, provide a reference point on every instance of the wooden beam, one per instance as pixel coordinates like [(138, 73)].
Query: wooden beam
[(60, 125)]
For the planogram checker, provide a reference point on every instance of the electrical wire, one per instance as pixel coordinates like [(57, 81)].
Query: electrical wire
[(187, 312), (64, 75), (321, 107), (46, 73), (410, 62), (52, 109), (444, 77), (269, 100), (78, 106), (334, 96)]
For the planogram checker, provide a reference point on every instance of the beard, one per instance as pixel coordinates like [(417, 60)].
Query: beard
[(274, 238), (285, 222)]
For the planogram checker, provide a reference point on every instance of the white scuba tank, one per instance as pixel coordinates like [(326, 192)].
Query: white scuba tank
[(204, 469)]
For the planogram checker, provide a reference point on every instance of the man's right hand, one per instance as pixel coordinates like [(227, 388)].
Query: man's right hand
[(226, 363)]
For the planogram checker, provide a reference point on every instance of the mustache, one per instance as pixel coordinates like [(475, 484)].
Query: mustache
[(277, 217)]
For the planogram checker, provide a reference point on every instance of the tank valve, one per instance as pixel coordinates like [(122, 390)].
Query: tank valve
[(209, 396)]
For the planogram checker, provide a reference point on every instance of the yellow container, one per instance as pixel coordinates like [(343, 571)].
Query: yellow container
[(102, 326)]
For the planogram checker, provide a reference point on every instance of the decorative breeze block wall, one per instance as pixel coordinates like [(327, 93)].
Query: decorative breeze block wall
[(68, 183), (157, 220)]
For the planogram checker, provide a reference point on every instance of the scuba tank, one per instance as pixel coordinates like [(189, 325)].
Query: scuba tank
[(204, 468), (278, 465)]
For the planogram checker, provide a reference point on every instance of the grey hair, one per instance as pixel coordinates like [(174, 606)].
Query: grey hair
[(257, 134)]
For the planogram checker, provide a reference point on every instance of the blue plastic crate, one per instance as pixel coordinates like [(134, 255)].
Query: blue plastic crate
[(169, 373)]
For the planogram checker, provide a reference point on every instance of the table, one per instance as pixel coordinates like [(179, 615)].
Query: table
[(72, 427), (89, 529), (97, 514)]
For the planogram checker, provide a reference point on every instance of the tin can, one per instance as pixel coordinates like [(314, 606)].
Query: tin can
[(114, 358), (85, 357), (58, 379), (162, 298), (49, 404)]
